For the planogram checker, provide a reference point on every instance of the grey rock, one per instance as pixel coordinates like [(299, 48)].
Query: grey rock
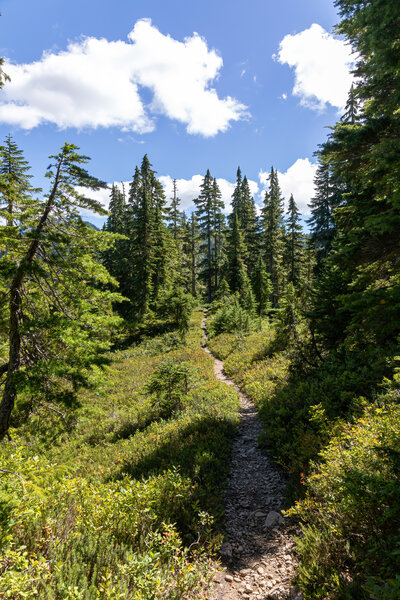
[(273, 519), (226, 551)]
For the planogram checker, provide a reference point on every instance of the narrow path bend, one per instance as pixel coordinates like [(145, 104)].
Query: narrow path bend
[(258, 554)]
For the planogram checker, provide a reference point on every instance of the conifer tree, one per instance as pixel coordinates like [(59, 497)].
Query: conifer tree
[(193, 251), (15, 187), (173, 215), (351, 111), (141, 234), (59, 318), (249, 224), (237, 195), (236, 268), (205, 214), (3, 76), (244, 208), (294, 244), (163, 242), (115, 259), (273, 234), (365, 155), (183, 253), (322, 206), (150, 244), (116, 208), (261, 286), (218, 225)]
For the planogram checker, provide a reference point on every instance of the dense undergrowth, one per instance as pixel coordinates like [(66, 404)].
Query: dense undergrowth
[(335, 428), (121, 497)]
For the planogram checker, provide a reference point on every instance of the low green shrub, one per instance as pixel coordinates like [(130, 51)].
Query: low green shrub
[(169, 384), (350, 546), (230, 318)]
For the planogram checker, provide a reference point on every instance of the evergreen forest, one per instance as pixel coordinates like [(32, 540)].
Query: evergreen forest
[(115, 434)]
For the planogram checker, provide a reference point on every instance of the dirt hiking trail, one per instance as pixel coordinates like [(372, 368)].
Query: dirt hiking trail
[(258, 552)]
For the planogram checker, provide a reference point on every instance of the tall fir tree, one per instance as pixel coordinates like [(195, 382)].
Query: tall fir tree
[(249, 224), (116, 208), (237, 195), (243, 206), (141, 223), (183, 250), (205, 214), (194, 252), (272, 231), (150, 246), (218, 226), (164, 248), (294, 244), (365, 155), (15, 187), (173, 215), (352, 108), (115, 258), (322, 222), (236, 267)]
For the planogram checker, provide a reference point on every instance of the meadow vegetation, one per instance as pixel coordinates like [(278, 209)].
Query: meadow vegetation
[(121, 496)]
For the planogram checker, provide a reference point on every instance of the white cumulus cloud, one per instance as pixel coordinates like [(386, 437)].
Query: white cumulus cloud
[(188, 189), (322, 67), (97, 83), (297, 180)]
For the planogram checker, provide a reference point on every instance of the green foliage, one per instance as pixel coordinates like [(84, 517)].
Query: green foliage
[(351, 513), (273, 234), (261, 286), (124, 504), (178, 305), (293, 253), (169, 384), (231, 317), (363, 159), (211, 223), (55, 293)]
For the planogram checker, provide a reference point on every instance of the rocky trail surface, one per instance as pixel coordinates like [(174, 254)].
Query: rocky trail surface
[(257, 555)]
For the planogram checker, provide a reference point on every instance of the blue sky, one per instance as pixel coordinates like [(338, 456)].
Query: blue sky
[(194, 85)]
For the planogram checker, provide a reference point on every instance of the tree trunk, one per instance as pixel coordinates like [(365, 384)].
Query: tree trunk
[(14, 362), (10, 389)]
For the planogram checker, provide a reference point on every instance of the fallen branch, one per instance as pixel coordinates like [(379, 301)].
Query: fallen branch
[(63, 417)]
